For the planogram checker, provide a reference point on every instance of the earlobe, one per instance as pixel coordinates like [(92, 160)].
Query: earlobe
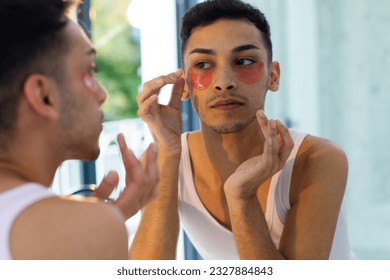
[(274, 76), (186, 93), (38, 93)]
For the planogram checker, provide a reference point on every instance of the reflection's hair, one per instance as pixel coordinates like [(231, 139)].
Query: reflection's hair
[(209, 11)]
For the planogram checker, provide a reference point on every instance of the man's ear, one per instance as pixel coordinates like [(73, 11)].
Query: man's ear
[(186, 93), (274, 76), (40, 95)]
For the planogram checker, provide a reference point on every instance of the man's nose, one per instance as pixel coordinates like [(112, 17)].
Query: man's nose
[(101, 94), (224, 79)]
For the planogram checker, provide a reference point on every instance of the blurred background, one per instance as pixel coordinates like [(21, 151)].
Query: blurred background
[(334, 56)]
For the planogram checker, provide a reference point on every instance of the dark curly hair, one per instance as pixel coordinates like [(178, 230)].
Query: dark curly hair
[(209, 11), (31, 42)]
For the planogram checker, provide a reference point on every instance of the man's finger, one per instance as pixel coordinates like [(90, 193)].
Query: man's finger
[(286, 141), (149, 89), (108, 184), (150, 113), (264, 123), (177, 93), (128, 157), (154, 86)]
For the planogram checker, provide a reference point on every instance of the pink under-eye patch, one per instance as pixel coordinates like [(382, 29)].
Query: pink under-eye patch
[(251, 75), (199, 81), (90, 82)]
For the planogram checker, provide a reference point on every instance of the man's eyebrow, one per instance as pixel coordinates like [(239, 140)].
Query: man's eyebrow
[(203, 51), (245, 48), (91, 51), (235, 50)]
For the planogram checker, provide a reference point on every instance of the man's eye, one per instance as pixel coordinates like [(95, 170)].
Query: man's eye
[(93, 69), (245, 62), (202, 65)]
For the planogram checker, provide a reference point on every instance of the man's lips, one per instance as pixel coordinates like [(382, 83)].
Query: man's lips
[(226, 104)]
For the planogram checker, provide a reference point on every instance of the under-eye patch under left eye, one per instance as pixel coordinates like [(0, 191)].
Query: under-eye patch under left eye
[(90, 82), (200, 81)]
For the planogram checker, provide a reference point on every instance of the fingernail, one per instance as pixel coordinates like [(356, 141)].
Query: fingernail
[(110, 178), (269, 141), (273, 124), (279, 123), (175, 75), (178, 73), (262, 114)]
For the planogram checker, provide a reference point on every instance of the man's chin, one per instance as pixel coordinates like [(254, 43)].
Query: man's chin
[(228, 129), (232, 127), (90, 156)]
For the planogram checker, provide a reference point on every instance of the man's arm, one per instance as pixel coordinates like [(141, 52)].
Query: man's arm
[(249, 226), (157, 234), (251, 232), (318, 187), (317, 190)]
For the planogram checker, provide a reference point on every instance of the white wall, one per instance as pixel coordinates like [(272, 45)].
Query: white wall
[(355, 60), (335, 58)]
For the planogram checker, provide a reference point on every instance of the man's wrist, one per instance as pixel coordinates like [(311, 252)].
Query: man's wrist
[(243, 191), (169, 154)]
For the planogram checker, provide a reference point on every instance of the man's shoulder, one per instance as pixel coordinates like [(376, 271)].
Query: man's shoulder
[(77, 206), (314, 147), (193, 134), (322, 163), (84, 207), (319, 156), (69, 228), (194, 138)]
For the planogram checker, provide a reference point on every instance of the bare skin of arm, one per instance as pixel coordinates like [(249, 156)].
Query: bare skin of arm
[(320, 176), (318, 188), (157, 235), (58, 228), (87, 228)]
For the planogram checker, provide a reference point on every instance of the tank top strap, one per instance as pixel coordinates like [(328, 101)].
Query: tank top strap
[(12, 204), (278, 199)]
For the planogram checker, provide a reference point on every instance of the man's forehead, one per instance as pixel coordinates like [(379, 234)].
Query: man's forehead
[(78, 39), (243, 34), (224, 47)]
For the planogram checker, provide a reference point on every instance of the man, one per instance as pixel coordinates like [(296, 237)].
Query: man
[(50, 111), (248, 187)]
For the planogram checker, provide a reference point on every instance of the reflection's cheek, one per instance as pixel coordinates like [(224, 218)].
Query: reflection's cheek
[(251, 75), (199, 81)]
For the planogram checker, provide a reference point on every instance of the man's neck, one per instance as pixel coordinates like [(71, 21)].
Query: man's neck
[(10, 176), (227, 151), (17, 170)]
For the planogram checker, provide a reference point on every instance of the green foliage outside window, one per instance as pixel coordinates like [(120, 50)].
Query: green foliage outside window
[(118, 57)]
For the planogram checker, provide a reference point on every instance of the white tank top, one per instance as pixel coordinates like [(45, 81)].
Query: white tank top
[(12, 204), (215, 242)]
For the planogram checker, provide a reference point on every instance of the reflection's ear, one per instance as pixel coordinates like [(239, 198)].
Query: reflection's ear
[(274, 76), (39, 91), (186, 93)]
